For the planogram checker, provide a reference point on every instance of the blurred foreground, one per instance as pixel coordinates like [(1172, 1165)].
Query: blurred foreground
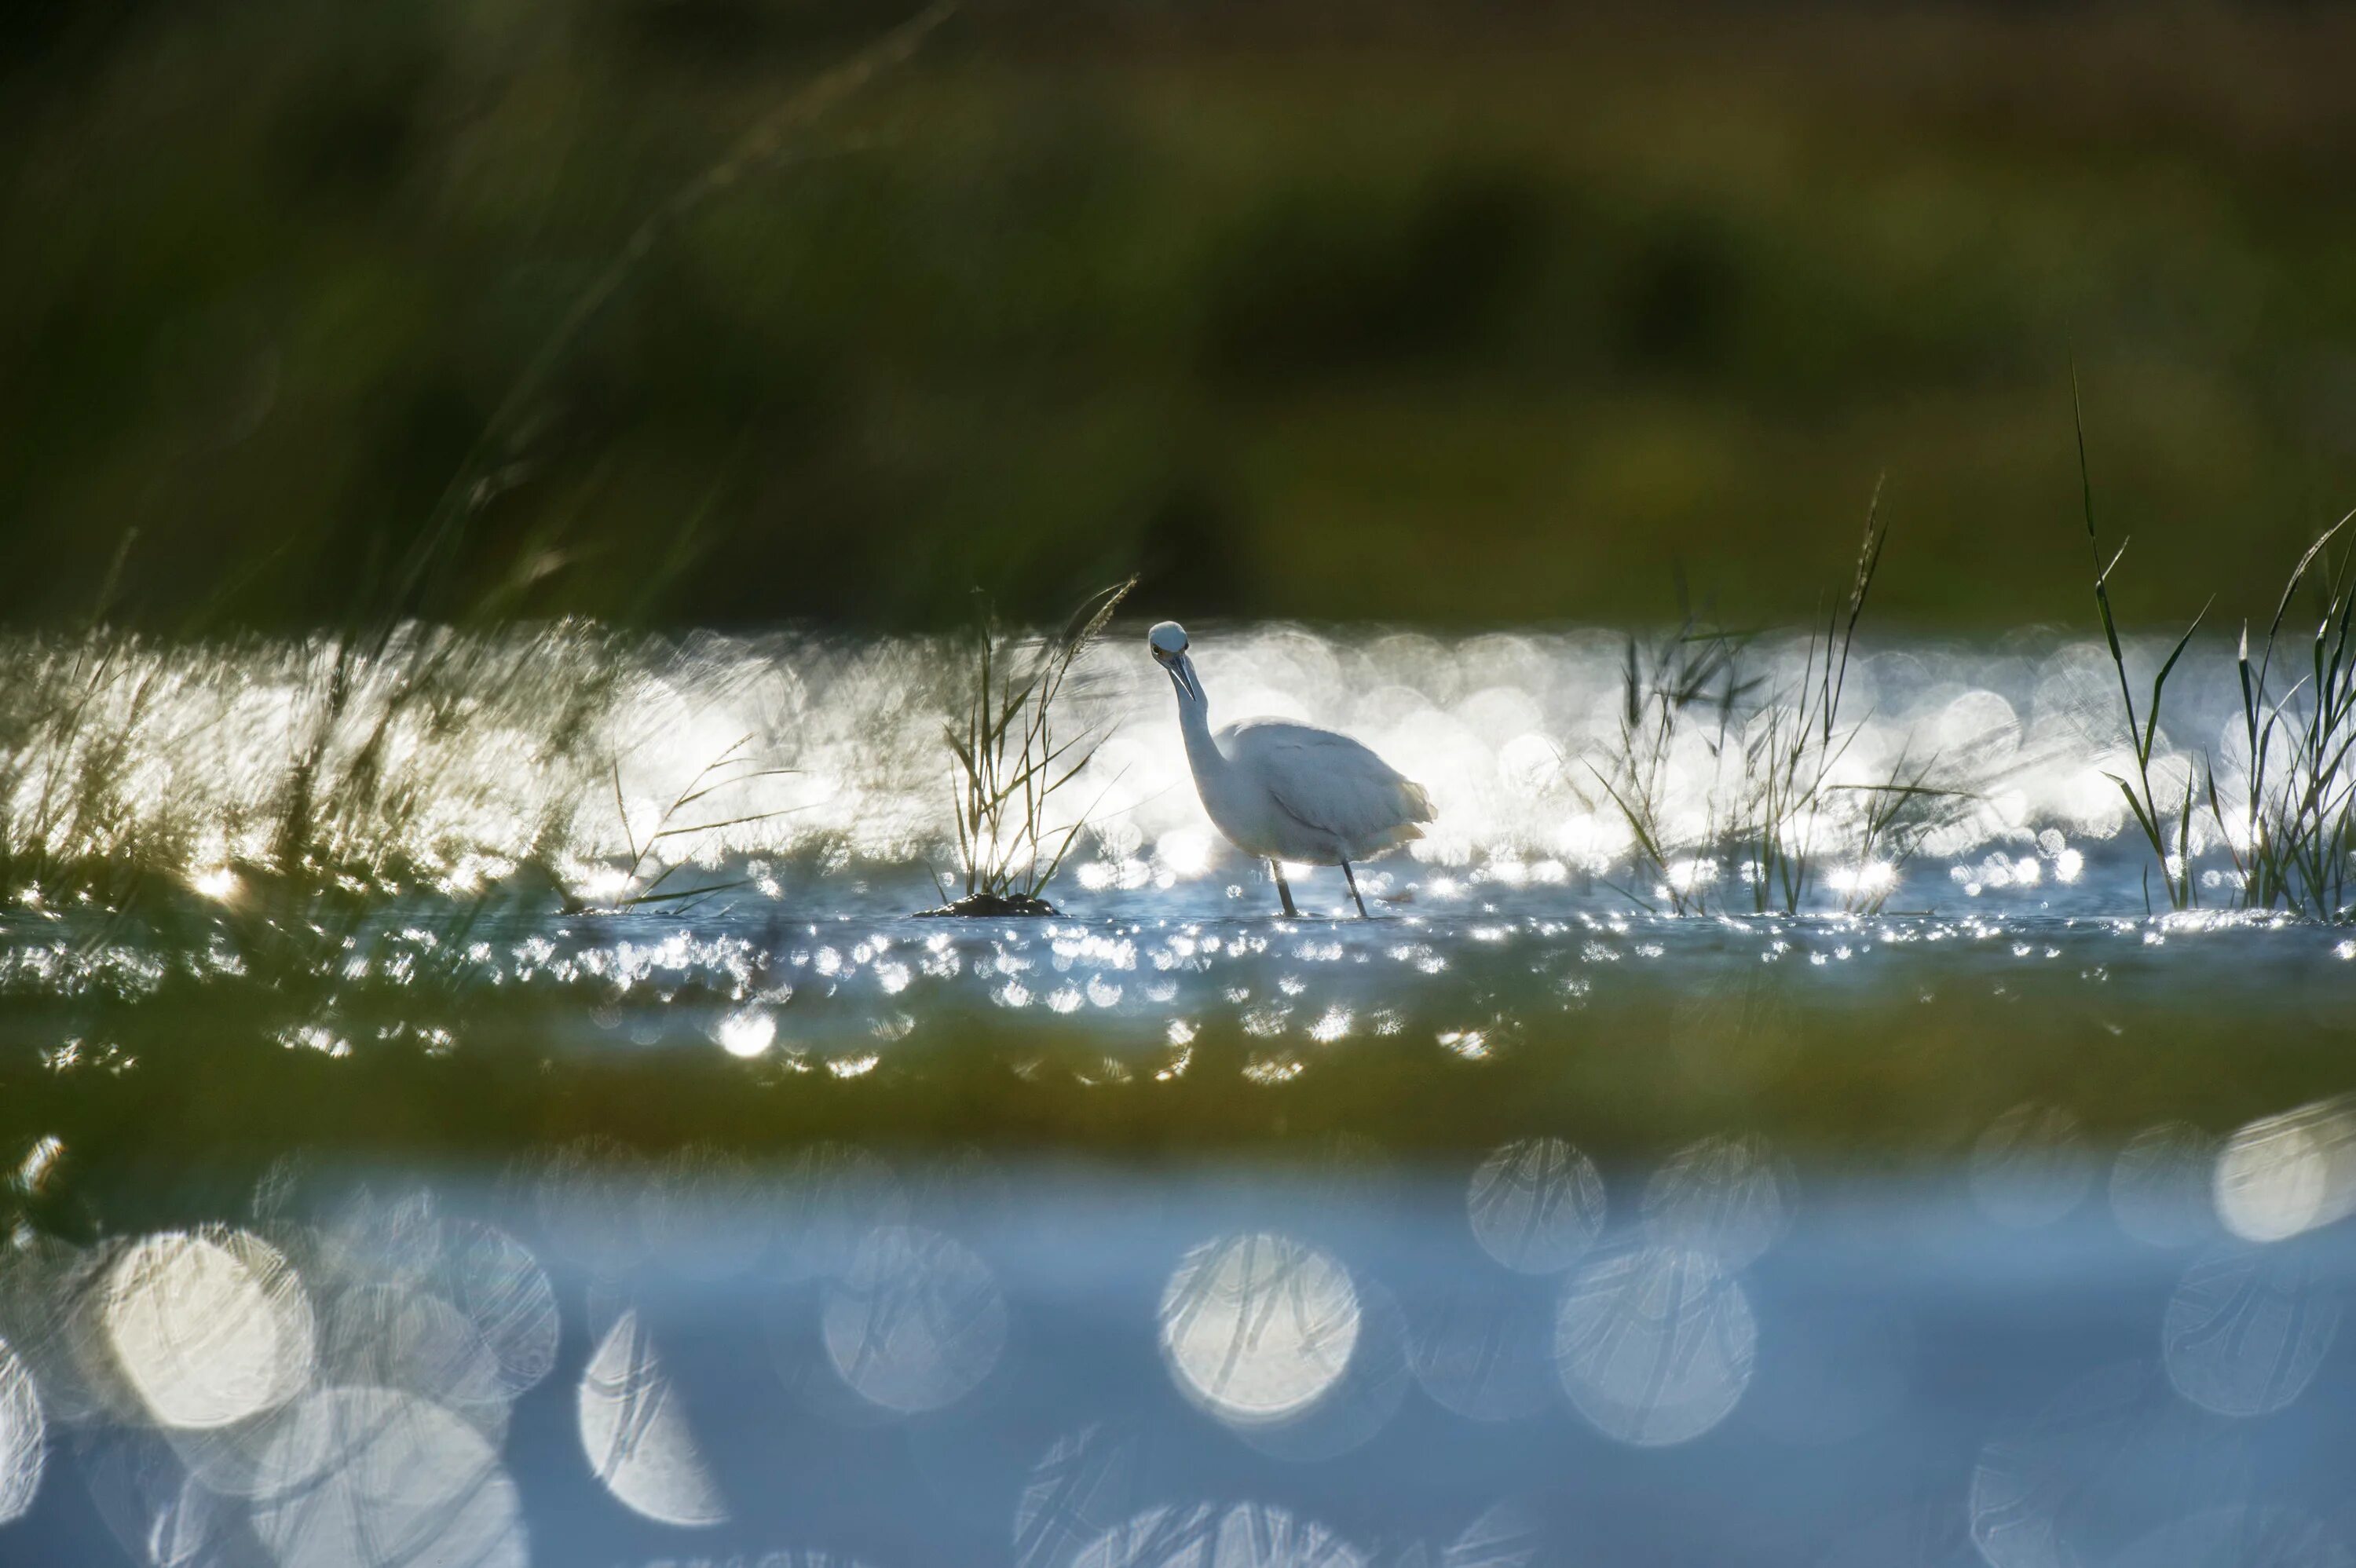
[(943, 1357)]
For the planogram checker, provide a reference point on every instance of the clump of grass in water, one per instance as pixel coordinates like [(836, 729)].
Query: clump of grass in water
[(363, 927), (1789, 743), (2296, 844), (646, 880), (1790, 763), (71, 826), (367, 793), (2291, 828), (296, 871), (72, 829), (2143, 735), (1010, 760), (1689, 682)]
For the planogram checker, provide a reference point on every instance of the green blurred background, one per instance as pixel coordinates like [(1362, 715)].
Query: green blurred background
[(1461, 314)]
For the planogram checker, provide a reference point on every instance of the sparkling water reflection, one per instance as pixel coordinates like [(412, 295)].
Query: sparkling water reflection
[(808, 758)]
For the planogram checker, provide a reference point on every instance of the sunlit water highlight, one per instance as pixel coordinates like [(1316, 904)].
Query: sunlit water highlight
[(1521, 1223), (816, 766)]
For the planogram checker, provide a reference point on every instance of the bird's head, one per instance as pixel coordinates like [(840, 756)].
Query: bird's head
[(1168, 643)]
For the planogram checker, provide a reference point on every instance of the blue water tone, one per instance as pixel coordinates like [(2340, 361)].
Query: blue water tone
[(950, 1360)]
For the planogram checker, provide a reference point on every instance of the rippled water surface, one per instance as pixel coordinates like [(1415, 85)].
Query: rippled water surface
[(573, 1151)]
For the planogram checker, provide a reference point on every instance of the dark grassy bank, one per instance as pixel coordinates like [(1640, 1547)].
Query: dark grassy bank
[(204, 1082), (1398, 317)]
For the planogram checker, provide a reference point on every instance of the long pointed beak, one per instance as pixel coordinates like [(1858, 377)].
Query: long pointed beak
[(1181, 674)]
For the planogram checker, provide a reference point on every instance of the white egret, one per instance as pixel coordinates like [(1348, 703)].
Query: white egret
[(1290, 792)]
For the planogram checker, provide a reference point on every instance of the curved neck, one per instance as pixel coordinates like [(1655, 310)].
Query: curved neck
[(1194, 719)]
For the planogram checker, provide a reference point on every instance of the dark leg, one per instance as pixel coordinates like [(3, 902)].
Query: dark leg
[(1352, 878), (1284, 890)]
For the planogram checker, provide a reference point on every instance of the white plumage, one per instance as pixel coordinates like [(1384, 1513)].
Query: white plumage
[(1290, 792)]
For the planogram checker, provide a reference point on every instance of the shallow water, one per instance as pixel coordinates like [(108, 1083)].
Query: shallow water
[(766, 984), (463, 1212), (824, 774)]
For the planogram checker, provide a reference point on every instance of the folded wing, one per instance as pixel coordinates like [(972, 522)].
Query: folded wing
[(1330, 783)]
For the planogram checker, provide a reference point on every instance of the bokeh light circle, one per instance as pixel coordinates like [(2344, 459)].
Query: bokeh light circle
[(2246, 1329), (1536, 1205), (208, 1328), (916, 1323), (1256, 1326), (1654, 1344)]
